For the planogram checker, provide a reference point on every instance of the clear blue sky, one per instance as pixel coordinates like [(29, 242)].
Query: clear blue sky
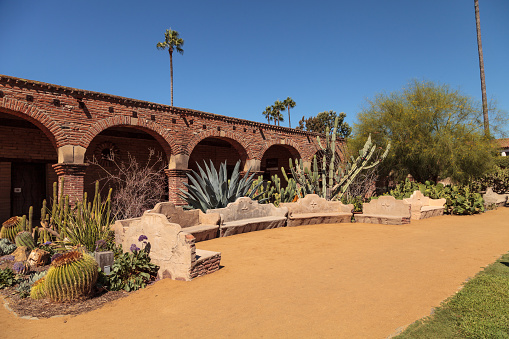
[(241, 56)]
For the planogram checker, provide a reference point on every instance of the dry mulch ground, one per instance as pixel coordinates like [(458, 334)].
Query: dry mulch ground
[(27, 307)]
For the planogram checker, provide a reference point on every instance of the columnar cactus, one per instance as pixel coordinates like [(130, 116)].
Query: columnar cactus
[(10, 228), (331, 181), (71, 276), (25, 238)]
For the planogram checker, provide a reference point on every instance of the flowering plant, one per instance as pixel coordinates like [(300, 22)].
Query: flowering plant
[(133, 270)]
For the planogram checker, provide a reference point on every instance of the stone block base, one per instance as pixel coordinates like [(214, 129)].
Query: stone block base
[(206, 262), (384, 220), (317, 218)]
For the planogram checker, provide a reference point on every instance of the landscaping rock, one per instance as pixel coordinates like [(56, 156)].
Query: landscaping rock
[(38, 257), (21, 253)]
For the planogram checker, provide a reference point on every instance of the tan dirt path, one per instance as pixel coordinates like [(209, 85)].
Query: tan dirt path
[(325, 281)]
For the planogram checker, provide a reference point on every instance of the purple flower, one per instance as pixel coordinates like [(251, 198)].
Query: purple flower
[(142, 237), (8, 258), (18, 267), (47, 243), (134, 248)]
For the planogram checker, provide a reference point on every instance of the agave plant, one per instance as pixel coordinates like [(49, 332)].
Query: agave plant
[(211, 189)]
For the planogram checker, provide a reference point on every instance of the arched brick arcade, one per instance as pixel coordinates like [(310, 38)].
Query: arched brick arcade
[(61, 127)]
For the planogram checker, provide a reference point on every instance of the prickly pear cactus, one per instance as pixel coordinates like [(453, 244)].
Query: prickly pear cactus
[(71, 276), (10, 228), (25, 238)]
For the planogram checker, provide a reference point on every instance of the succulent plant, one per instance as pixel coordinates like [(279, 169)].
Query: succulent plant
[(6, 247), (25, 286), (71, 276), (38, 290), (10, 228), (25, 238), (211, 189)]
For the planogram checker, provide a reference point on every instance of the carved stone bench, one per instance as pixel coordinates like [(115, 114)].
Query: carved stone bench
[(171, 248), (312, 210), (425, 207), (202, 226), (246, 215), (385, 210), (492, 198)]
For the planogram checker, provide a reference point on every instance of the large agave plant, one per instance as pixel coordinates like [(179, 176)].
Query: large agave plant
[(211, 189)]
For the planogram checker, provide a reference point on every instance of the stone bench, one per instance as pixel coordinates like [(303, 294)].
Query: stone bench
[(424, 207), (202, 226), (246, 215), (171, 248), (385, 210), (492, 198), (312, 210)]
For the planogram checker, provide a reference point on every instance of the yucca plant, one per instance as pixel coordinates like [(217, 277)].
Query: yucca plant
[(211, 189)]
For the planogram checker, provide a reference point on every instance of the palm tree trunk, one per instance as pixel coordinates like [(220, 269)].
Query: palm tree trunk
[(289, 120), (171, 76), (481, 68)]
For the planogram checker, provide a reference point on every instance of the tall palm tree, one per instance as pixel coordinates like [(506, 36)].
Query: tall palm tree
[(268, 113), (172, 42), (481, 68), (277, 108), (289, 103)]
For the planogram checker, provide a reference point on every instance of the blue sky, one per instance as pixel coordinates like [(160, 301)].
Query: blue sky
[(241, 56)]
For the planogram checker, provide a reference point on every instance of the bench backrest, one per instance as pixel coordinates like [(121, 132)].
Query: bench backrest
[(185, 218), (246, 208), (387, 206), (313, 203)]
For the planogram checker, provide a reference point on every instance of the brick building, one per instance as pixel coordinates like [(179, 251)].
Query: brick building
[(49, 131)]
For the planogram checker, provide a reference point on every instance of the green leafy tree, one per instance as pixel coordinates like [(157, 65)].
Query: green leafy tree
[(435, 132), (172, 42), (289, 103), (324, 120)]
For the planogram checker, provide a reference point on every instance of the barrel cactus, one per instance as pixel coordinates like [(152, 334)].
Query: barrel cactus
[(71, 276), (25, 238), (10, 228), (38, 290)]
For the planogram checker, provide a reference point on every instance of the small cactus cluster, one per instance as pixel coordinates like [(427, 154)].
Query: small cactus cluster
[(70, 277)]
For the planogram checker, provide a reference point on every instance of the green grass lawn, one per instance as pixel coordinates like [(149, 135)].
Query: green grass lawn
[(479, 310)]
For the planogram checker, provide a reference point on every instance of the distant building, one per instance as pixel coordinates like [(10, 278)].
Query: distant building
[(504, 146)]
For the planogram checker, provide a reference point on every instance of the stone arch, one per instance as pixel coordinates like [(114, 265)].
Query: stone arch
[(218, 148), (37, 117), (275, 157), (242, 148), (155, 130), (294, 148)]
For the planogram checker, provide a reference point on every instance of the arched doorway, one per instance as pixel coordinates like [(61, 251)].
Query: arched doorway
[(26, 159), (275, 157), (121, 148), (218, 150)]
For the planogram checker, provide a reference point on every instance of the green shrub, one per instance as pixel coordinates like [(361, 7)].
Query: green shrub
[(7, 278)]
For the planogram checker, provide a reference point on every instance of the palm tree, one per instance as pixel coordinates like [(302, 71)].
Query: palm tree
[(171, 42), (481, 67), (289, 103), (268, 113), (277, 108)]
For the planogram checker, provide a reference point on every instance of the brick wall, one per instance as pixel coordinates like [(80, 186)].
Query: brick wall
[(5, 191)]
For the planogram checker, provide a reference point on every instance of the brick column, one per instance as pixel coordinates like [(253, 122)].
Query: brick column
[(176, 180), (73, 175)]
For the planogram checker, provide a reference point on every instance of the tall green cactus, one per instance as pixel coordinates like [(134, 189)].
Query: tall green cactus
[(71, 276), (333, 179)]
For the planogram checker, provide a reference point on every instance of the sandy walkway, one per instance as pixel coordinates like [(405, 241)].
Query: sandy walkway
[(338, 281)]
